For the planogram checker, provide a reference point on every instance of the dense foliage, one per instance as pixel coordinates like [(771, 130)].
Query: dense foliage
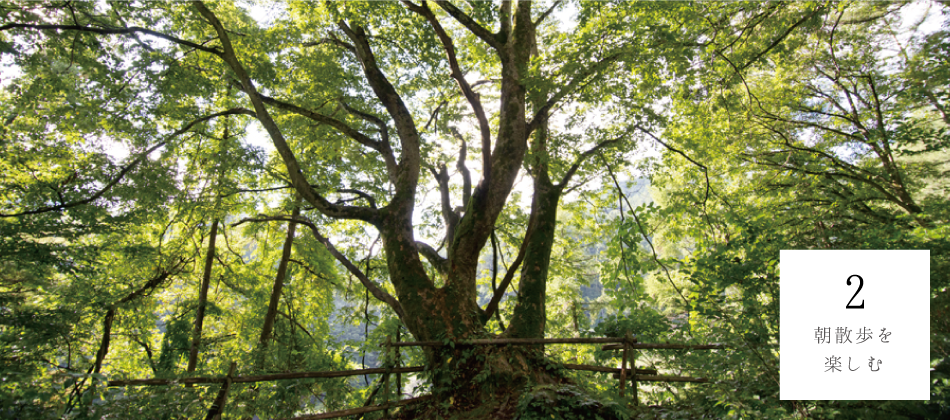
[(287, 186)]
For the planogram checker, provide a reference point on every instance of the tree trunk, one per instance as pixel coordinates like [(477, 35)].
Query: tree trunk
[(111, 312), (529, 317), (202, 299), (278, 283), (530, 313), (106, 338)]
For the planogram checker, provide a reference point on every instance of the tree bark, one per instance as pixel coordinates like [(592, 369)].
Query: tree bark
[(530, 313), (202, 299), (529, 316)]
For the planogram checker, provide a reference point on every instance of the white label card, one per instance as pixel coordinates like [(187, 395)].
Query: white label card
[(854, 325)]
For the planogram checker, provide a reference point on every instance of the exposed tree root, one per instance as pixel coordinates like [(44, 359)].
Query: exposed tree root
[(490, 382)]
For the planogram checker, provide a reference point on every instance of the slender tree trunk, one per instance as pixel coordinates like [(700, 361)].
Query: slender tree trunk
[(202, 299), (110, 314), (530, 313), (106, 338), (529, 316), (278, 282)]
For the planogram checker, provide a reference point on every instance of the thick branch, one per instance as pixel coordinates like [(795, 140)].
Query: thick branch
[(451, 219), (510, 274), (202, 299), (214, 413), (106, 337), (460, 165), (294, 171), (440, 264), (468, 22), (504, 15), (409, 165), (279, 279), (494, 276)]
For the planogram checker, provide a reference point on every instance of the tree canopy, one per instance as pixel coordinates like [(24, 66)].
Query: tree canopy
[(186, 185)]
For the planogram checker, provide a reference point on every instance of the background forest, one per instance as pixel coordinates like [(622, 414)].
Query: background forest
[(288, 185)]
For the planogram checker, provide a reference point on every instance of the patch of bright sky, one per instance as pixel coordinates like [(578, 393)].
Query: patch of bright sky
[(917, 20), (566, 17), (8, 70), (265, 12), (924, 13)]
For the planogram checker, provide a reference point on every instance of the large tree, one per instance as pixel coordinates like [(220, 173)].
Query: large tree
[(367, 106)]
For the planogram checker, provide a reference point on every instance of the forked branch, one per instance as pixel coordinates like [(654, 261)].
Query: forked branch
[(473, 99), (427, 251), (407, 176), (448, 214)]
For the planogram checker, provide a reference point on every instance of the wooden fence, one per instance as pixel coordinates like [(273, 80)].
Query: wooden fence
[(628, 345)]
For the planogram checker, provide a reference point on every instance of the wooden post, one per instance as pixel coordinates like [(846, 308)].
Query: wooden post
[(217, 407), (389, 362), (633, 366), (398, 365), (623, 367)]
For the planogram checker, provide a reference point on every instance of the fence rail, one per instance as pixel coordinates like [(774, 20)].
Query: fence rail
[(628, 344), (643, 346), (265, 378), (507, 341)]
